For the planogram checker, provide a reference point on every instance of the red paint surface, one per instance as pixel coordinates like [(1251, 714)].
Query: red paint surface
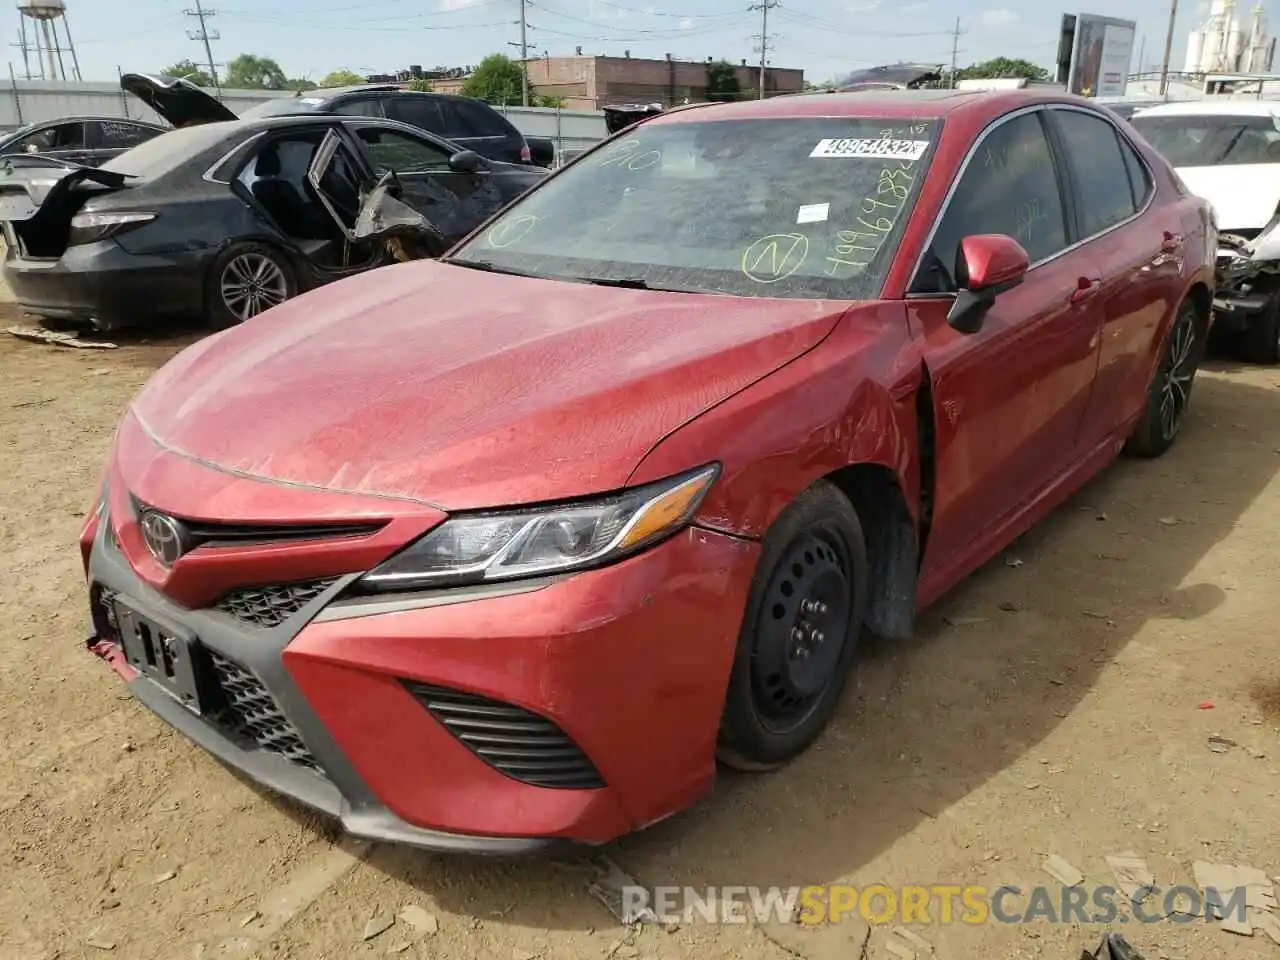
[(416, 389)]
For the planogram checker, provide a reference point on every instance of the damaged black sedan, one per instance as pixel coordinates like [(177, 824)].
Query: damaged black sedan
[(221, 221)]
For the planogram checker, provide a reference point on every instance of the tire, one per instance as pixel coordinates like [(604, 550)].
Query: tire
[(259, 272), (800, 633), (1170, 390), (1260, 341)]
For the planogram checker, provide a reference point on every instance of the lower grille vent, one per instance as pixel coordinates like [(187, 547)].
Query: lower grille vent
[(522, 745), (253, 713)]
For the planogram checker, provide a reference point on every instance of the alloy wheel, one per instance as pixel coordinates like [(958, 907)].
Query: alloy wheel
[(803, 629), (1179, 372), (252, 283)]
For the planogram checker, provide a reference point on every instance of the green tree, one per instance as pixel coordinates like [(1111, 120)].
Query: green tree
[(342, 78), (1003, 67), (420, 86), (251, 72), (722, 81), (549, 100), (188, 70), (299, 83), (498, 79)]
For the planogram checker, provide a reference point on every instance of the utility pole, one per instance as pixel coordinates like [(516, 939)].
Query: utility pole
[(1168, 49), (764, 6), (203, 35), (524, 56), (955, 52)]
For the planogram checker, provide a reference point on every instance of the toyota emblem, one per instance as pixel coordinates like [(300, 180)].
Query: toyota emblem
[(163, 537)]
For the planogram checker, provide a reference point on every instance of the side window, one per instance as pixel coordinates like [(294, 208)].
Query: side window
[(1093, 150), (63, 136), (479, 120), (38, 142), (1009, 186), (421, 112), (1139, 181), (361, 107), (121, 135), (392, 150)]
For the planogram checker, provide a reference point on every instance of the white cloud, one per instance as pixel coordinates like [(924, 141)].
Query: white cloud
[(448, 5), (685, 24), (999, 18)]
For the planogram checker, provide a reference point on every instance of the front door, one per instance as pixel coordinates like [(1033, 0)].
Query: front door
[(453, 202), (1009, 399)]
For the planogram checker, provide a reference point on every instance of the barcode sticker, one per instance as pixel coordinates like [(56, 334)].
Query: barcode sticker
[(871, 149)]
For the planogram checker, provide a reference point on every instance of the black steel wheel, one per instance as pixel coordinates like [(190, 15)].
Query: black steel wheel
[(800, 633), (1170, 391)]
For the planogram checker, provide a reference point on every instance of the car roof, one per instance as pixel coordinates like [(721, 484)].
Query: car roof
[(1219, 108), (335, 93), (977, 105), (82, 119)]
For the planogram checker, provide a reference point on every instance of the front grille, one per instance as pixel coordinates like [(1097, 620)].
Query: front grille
[(251, 711), (210, 533), (522, 745), (271, 605)]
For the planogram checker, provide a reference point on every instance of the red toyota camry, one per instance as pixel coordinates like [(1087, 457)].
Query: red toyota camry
[(508, 548)]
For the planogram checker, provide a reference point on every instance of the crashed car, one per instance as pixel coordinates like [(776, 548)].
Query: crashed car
[(87, 140), (1229, 153), (222, 220), (506, 547), (620, 116)]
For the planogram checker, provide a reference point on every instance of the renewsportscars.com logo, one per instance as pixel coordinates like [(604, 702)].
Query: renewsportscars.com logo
[(932, 904)]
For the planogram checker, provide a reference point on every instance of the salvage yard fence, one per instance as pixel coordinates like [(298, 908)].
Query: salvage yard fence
[(35, 101)]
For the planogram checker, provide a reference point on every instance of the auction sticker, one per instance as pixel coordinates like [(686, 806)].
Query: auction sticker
[(871, 149)]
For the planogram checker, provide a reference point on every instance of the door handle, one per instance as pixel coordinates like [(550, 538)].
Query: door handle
[(1085, 287)]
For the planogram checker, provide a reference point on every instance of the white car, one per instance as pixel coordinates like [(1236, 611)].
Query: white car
[(1228, 152)]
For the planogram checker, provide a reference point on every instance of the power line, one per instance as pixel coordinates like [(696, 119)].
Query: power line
[(204, 36), (764, 6)]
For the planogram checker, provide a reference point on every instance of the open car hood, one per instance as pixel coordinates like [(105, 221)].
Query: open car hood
[(178, 101), (27, 183), (900, 75), (1244, 196)]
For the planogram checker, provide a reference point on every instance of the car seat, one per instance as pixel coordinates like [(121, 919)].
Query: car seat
[(297, 216)]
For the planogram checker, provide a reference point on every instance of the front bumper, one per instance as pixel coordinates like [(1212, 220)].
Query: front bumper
[(104, 283), (620, 672)]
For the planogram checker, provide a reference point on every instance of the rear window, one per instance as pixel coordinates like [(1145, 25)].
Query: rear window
[(169, 151), (799, 208), (478, 119), (283, 107), (1205, 140)]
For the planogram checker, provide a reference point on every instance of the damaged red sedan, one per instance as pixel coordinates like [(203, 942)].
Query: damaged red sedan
[(508, 548)]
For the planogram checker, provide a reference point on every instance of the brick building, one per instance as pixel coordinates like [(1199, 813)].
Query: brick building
[(589, 82)]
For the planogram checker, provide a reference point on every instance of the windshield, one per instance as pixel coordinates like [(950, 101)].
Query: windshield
[(282, 106), (1207, 141), (799, 208), (159, 155)]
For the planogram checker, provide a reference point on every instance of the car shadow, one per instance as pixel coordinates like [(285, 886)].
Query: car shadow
[(994, 668)]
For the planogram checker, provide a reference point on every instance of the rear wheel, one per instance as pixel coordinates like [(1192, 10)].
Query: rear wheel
[(1260, 341), (245, 280), (1171, 387), (800, 633)]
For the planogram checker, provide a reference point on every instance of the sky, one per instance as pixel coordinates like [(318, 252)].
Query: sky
[(826, 38)]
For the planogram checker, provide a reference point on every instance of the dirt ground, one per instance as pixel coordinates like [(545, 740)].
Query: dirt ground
[(1055, 704)]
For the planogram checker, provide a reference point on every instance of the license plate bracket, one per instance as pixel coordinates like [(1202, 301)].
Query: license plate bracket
[(171, 659)]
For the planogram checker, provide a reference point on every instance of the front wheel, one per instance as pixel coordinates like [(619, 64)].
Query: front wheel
[(799, 634), (245, 280), (1170, 391)]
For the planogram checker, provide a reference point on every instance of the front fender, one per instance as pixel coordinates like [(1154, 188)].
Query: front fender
[(850, 400)]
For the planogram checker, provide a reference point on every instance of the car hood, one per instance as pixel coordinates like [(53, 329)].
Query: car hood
[(178, 101), (1244, 196), (458, 388)]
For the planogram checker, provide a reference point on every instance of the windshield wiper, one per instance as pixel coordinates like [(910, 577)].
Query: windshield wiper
[(486, 265), (630, 283)]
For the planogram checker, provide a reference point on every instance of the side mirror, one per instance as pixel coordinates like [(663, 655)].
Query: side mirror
[(466, 161), (987, 265)]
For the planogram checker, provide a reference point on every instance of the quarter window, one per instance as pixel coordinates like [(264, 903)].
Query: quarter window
[(1009, 186), (1102, 176), (1138, 178), (421, 112)]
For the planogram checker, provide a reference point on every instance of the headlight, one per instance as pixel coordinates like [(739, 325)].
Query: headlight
[(512, 544)]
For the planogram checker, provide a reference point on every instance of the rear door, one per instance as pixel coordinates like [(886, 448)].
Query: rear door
[(1137, 248), (477, 126), (453, 202), (1009, 399), (336, 178)]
